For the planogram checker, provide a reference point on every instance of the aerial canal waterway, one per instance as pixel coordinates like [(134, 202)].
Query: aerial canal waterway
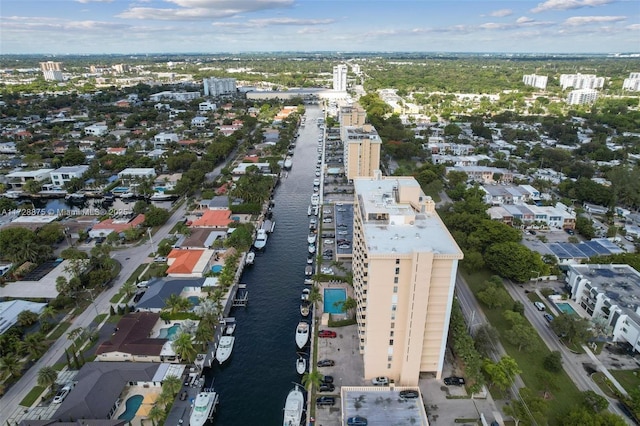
[(254, 383)]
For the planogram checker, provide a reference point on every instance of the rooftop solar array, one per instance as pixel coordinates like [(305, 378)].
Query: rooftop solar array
[(585, 250)]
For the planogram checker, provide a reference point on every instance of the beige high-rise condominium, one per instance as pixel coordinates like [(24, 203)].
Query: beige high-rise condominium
[(361, 150), (404, 270)]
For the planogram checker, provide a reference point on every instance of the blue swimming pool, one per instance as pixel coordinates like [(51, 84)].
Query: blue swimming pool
[(168, 332), (132, 404), (331, 297), (195, 300), (566, 308), (216, 268), (120, 189)]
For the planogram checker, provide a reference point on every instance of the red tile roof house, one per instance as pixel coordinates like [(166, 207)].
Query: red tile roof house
[(214, 219), (108, 226), (185, 263), (132, 341)]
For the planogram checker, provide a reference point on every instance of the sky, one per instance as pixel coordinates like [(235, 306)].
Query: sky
[(220, 26)]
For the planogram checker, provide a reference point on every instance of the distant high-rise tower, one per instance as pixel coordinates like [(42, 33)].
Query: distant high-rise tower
[(633, 82), (219, 86), (582, 96), (581, 81), (539, 81), (50, 66), (340, 78)]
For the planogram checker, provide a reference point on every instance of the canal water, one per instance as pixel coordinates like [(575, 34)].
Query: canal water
[(254, 383)]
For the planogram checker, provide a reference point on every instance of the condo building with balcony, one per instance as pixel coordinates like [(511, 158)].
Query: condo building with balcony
[(404, 269), (361, 150)]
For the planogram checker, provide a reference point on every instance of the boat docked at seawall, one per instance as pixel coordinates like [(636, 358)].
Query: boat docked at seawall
[(311, 239), (76, 197), (261, 239), (268, 225), (251, 257), (225, 347), (301, 365), (161, 196), (302, 334), (308, 270), (305, 308), (293, 407), (203, 407)]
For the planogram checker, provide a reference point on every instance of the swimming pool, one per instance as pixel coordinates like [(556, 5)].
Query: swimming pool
[(195, 300), (132, 404), (120, 189), (566, 308), (216, 268), (168, 332), (331, 296)]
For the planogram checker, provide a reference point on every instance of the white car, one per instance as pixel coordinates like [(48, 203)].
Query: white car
[(326, 270), (62, 394), (380, 381)]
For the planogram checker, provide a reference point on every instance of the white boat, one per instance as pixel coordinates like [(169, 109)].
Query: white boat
[(301, 365), (308, 281), (268, 226), (305, 308), (308, 270), (160, 196), (305, 294), (127, 195), (229, 326), (14, 195), (309, 210), (223, 352), (311, 239), (302, 334), (251, 257), (75, 197), (315, 199), (261, 239), (293, 407), (203, 407), (312, 248)]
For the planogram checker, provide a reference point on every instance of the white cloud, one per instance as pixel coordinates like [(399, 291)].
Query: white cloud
[(575, 21), (311, 31), (524, 20), (94, 1), (568, 4), (501, 13), (288, 21), (494, 26), (192, 10)]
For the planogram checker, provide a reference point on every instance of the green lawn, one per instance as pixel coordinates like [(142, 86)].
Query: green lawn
[(32, 396), (59, 331), (629, 379), (566, 396), (602, 381)]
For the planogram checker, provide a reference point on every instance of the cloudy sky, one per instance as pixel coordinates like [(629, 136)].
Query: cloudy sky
[(211, 26)]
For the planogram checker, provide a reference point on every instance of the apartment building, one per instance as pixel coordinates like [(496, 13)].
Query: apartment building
[(632, 83), (176, 96), (610, 292), (582, 96), (581, 81), (361, 150), (404, 269), (340, 78), (50, 66), (16, 180), (539, 81), (352, 115), (219, 86)]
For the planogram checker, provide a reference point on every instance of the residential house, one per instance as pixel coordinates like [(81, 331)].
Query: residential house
[(96, 129), (162, 139), (130, 175), (199, 122), (10, 311), (110, 225), (16, 180), (185, 263), (241, 168), (62, 175), (219, 218)]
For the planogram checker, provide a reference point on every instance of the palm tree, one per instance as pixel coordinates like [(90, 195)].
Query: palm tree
[(175, 304), (183, 347), (165, 399), (312, 379), (129, 288), (156, 414), (204, 334), (34, 345), (47, 376), (10, 365), (48, 313), (189, 326), (172, 384), (315, 296), (348, 305)]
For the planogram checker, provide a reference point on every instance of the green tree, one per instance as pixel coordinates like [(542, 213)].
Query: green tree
[(156, 414), (156, 216), (34, 345), (585, 417), (311, 380), (594, 402), (529, 405), (10, 366), (514, 261), (348, 306), (572, 328), (184, 348), (26, 318), (172, 384), (524, 336), (553, 362), (176, 303), (501, 373), (129, 288), (494, 295), (47, 376)]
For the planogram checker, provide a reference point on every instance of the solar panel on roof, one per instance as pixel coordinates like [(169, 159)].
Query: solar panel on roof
[(587, 250), (597, 247), (559, 251)]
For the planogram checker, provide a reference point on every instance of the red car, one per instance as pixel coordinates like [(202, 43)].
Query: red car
[(327, 333)]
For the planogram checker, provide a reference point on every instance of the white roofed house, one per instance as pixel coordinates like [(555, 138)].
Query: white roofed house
[(161, 139), (199, 122), (61, 176), (133, 173), (16, 180), (96, 129)]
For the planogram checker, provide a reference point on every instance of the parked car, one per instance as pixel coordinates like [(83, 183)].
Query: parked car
[(326, 270), (380, 381), (454, 381), (183, 395), (569, 231), (328, 242), (326, 387), (325, 400), (326, 380), (548, 317), (344, 246), (143, 284), (62, 394), (326, 363), (160, 259), (409, 394), (357, 421), (327, 334)]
